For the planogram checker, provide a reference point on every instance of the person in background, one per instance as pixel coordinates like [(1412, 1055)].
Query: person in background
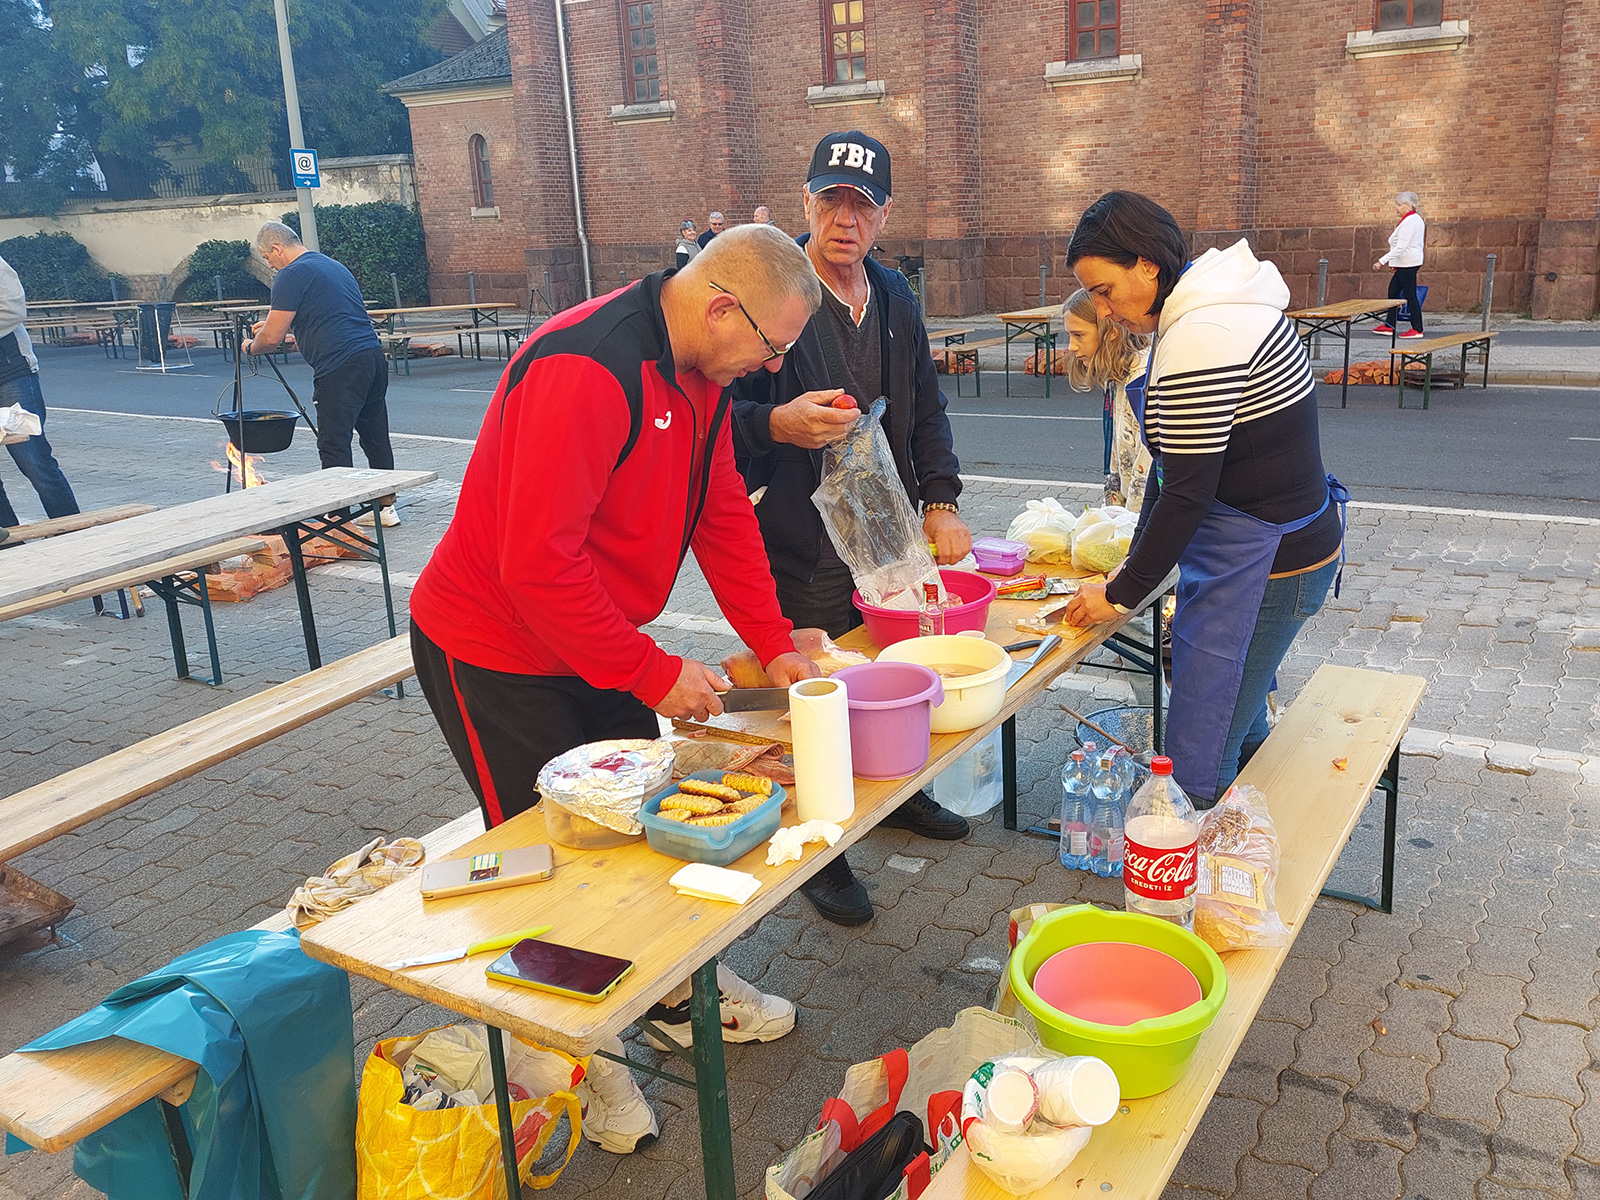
[(1106, 358), (19, 384), (1239, 501), (687, 247), (763, 215), (319, 299), (715, 224), (867, 339), (606, 456), (1403, 261)]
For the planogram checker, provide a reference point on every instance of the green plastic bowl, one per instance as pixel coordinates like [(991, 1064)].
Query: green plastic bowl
[(1148, 1056)]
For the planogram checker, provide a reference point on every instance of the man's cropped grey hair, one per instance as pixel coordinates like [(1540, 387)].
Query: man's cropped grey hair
[(276, 233), (758, 262)]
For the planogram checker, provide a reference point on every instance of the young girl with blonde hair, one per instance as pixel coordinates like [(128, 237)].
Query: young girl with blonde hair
[(1106, 358)]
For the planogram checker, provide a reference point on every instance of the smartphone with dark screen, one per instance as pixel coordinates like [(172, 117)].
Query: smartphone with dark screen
[(564, 970)]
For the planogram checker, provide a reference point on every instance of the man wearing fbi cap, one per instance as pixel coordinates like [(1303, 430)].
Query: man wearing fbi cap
[(866, 340)]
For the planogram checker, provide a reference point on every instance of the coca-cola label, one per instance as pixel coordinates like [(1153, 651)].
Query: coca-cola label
[(1159, 874)]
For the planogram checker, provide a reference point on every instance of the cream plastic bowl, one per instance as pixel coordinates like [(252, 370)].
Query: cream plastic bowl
[(969, 700)]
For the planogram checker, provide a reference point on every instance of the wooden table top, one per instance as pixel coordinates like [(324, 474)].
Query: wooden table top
[(1342, 309), (58, 563), (432, 308), (1032, 316), (619, 902)]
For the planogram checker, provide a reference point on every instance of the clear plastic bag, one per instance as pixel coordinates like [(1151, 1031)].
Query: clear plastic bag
[(1234, 903), (1046, 529), (869, 519), (1101, 538)]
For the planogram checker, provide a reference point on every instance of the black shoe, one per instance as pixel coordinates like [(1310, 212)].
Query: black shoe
[(922, 814), (838, 894)]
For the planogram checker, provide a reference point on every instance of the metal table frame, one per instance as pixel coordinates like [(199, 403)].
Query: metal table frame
[(341, 530), (1401, 358), (1044, 341), (1340, 327)]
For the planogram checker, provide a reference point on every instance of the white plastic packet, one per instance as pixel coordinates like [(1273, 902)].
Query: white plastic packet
[(1018, 1162), (1101, 537), (1046, 529), (17, 424)]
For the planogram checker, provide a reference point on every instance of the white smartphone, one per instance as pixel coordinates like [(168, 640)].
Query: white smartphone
[(484, 872)]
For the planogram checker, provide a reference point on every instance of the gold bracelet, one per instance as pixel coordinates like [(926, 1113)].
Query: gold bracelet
[(939, 506)]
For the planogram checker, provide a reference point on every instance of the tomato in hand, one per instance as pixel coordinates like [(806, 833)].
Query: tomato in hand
[(845, 402)]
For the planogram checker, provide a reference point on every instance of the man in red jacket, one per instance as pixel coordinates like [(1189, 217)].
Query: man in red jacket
[(605, 457)]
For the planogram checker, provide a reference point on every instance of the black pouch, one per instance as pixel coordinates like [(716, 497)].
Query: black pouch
[(13, 362), (873, 1170)]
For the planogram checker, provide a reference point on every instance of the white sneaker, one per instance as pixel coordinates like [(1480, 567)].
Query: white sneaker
[(616, 1116), (748, 1015), (387, 513)]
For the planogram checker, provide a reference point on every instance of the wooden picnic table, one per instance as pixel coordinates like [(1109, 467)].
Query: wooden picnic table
[(619, 902), (297, 508), (484, 315), (1336, 320), (1034, 323)]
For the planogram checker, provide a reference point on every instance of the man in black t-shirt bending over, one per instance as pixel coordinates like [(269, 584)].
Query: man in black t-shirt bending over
[(319, 300)]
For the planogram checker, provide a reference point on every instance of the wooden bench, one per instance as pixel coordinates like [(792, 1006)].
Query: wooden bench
[(71, 524), (1343, 714), (54, 1098), (1413, 352), (964, 351), (950, 336)]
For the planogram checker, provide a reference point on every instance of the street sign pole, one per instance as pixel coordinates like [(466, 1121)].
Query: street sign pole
[(297, 137)]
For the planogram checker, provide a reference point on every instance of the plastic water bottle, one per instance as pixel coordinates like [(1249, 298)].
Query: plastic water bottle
[(1105, 823), (1160, 860), (930, 616), (1075, 803)]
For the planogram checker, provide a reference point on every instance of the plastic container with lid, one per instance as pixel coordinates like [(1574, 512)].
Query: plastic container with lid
[(997, 556), (567, 828), (718, 845), (592, 793)]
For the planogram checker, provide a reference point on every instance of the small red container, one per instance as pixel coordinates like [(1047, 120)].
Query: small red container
[(890, 625)]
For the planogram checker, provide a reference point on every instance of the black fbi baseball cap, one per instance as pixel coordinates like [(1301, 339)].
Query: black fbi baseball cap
[(851, 159)]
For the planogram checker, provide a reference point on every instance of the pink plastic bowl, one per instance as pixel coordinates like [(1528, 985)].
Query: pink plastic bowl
[(891, 716), (1115, 983), (890, 625)]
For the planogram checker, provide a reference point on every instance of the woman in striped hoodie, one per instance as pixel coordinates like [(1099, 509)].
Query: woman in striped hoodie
[(1238, 500)]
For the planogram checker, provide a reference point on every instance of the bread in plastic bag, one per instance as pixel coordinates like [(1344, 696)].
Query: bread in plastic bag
[(1046, 529), (1234, 903)]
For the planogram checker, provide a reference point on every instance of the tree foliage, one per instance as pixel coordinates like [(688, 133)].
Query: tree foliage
[(374, 241), (223, 260), (56, 266), (123, 76)]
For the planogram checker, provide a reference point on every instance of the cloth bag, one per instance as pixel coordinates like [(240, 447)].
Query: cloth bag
[(926, 1079), (403, 1153), (273, 1108)]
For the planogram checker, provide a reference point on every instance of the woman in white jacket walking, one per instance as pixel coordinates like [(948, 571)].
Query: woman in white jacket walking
[(1403, 259)]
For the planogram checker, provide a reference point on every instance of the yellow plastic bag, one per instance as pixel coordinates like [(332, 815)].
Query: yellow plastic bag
[(403, 1153)]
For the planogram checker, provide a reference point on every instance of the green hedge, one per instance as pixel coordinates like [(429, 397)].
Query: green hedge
[(227, 259), (56, 266), (374, 240)]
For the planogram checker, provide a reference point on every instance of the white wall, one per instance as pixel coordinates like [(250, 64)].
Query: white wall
[(147, 239)]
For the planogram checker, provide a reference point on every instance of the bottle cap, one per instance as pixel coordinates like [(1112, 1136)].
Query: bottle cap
[(1077, 756), (1161, 765)]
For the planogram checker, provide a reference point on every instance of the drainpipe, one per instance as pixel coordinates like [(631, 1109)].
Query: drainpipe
[(572, 148)]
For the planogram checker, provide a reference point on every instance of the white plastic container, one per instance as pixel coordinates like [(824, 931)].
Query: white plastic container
[(969, 700)]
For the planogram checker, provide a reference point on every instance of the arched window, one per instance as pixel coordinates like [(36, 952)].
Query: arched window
[(1093, 32), (847, 40), (482, 182), (642, 82)]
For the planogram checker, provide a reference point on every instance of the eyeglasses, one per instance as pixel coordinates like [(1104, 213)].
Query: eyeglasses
[(773, 351)]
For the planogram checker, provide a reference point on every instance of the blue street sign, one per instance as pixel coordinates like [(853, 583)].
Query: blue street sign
[(304, 165)]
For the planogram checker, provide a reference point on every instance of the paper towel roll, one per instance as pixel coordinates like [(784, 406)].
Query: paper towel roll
[(819, 718)]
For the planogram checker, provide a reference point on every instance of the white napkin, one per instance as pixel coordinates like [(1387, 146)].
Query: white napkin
[(787, 842)]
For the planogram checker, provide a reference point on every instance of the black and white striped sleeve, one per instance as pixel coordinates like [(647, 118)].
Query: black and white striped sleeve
[(1194, 410)]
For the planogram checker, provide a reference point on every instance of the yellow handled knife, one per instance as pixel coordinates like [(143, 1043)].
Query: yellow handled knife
[(504, 941)]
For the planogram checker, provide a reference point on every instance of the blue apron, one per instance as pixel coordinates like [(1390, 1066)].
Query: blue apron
[(1222, 578)]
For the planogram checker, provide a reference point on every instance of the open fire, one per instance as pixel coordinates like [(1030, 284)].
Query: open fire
[(244, 467)]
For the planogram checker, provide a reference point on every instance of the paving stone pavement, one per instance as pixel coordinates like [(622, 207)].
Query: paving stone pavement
[(1448, 1050)]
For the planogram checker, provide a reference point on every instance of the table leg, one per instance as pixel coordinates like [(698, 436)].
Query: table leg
[(1049, 353), (711, 1084), (1486, 346), (383, 569), (178, 1143), (180, 654), (1427, 380), (211, 630), (1344, 387), (1009, 336), (502, 1106), (302, 591), (1389, 784), (1008, 768), (1400, 384)]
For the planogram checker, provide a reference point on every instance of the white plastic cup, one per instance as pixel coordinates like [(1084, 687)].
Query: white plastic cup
[(1077, 1091), (1011, 1100)]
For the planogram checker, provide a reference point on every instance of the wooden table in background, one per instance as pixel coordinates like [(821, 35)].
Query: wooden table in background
[(619, 902), (484, 316), (1035, 323), (1336, 320)]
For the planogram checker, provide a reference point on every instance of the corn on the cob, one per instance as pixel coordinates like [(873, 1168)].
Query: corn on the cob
[(747, 783), (699, 787), (698, 805), (722, 818), (674, 814), (747, 805)]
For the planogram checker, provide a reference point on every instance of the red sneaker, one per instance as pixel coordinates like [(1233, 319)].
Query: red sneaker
[(1385, 330), (1413, 333)]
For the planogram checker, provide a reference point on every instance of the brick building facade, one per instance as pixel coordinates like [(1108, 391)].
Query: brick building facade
[(1292, 123)]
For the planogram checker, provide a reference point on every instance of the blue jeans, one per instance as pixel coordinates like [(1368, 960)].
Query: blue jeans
[(34, 457), (1287, 605)]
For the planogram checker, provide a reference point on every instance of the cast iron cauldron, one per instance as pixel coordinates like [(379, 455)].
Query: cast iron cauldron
[(260, 431)]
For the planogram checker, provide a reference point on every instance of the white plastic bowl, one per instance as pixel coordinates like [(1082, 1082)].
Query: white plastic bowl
[(969, 700)]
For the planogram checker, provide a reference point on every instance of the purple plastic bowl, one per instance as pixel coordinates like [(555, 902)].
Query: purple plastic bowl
[(891, 715), (890, 625)]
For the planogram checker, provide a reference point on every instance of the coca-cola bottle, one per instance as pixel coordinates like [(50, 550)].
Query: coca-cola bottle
[(1158, 857)]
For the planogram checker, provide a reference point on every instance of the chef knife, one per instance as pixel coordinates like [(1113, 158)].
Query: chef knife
[(772, 699), (504, 941), (1022, 666)]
